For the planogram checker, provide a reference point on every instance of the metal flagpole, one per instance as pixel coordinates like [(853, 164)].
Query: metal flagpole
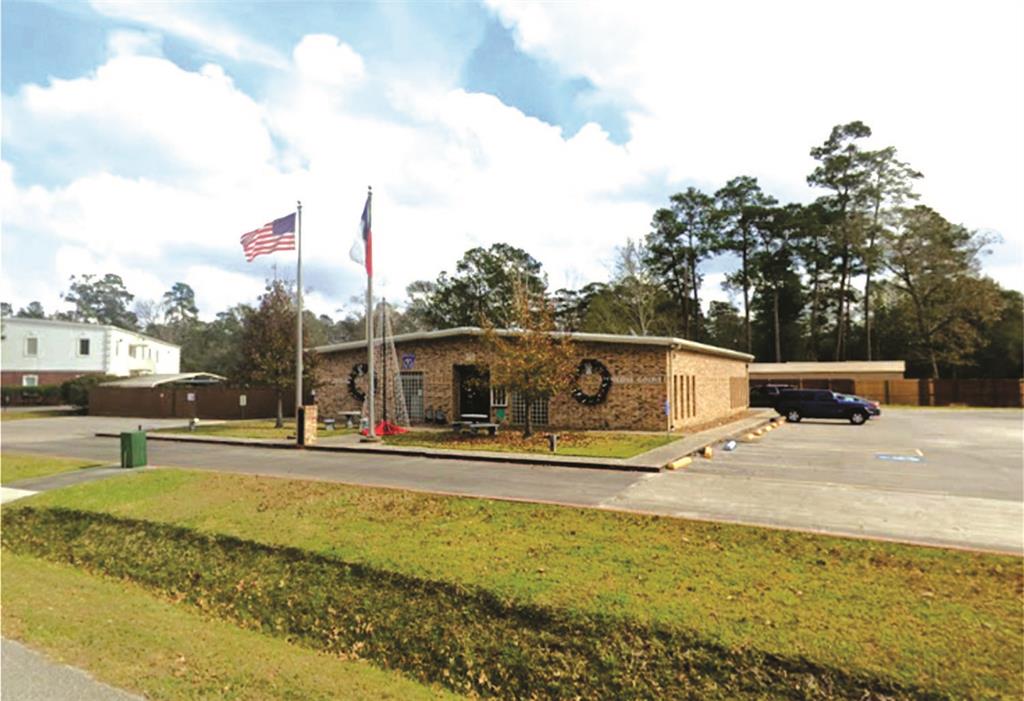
[(384, 360), (371, 433), (298, 322)]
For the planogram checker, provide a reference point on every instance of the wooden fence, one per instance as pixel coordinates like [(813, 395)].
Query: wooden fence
[(996, 393), (201, 402)]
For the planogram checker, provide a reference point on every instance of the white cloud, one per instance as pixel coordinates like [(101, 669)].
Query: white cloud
[(322, 58), (142, 111), (129, 42), (185, 20), (454, 169), (164, 161), (721, 89)]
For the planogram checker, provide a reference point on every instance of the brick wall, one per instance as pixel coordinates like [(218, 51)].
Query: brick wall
[(12, 378), (635, 401), (715, 380)]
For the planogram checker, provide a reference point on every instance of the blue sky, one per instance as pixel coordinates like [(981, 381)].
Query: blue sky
[(144, 138)]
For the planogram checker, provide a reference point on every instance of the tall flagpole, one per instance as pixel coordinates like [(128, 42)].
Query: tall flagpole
[(298, 322), (371, 433)]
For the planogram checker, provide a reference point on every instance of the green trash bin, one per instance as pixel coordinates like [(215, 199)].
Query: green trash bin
[(133, 449)]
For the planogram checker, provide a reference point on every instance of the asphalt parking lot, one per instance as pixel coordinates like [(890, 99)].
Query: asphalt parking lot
[(961, 452), (934, 476)]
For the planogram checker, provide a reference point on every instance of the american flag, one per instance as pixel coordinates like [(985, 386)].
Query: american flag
[(278, 235)]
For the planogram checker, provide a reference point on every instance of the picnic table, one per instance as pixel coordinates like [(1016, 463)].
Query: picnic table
[(475, 423), (351, 417)]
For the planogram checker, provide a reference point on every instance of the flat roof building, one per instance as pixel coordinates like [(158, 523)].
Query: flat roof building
[(647, 383), (852, 370), (50, 351)]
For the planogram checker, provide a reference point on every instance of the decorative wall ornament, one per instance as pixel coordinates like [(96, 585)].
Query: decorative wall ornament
[(358, 370), (590, 366)]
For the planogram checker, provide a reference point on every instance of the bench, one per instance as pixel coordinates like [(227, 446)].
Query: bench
[(329, 424)]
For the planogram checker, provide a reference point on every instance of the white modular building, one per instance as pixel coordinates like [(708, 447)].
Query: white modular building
[(48, 352)]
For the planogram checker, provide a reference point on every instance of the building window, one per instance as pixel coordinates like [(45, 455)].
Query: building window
[(498, 397), (30, 380), (83, 346), (539, 411), (32, 346)]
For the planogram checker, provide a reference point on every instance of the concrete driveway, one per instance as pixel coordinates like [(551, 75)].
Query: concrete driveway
[(964, 489), (60, 429)]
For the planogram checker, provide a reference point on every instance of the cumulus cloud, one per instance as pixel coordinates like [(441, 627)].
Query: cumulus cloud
[(143, 158), (720, 89), (452, 169), (322, 58)]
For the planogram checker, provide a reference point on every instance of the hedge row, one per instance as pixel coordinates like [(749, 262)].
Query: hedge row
[(467, 639), (17, 395)]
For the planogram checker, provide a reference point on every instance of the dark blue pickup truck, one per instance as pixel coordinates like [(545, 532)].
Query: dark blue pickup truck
[(796, 404)]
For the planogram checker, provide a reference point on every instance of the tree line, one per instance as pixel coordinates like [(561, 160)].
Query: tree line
[(862, 272)]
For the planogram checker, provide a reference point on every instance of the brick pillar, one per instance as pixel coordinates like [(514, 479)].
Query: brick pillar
[(309, 424)]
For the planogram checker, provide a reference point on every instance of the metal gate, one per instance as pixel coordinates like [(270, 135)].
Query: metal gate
[(412, 390)]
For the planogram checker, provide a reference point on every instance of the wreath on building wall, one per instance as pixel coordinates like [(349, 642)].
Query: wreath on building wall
[(589, 366), (358, 370)]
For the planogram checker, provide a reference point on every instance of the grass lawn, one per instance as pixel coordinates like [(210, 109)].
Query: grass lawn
[(16, 466), (942, 620), (130, 638), (592, 444), (21, 415), (252, 428)]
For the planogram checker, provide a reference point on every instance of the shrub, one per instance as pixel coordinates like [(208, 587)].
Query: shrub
[(76, 391), (18, 395), (467, 638)]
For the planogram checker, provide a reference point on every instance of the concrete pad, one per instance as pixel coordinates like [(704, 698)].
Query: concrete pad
[(831, 508), (29, 676)]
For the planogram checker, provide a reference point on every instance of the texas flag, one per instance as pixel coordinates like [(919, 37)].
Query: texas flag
[(362, 250)]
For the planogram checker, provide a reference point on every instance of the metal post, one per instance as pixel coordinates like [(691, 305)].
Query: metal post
[(384, 350), (298, 322), (371, 433)]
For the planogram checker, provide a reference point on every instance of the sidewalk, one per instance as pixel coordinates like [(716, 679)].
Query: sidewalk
[(30, 676), (651, 461)]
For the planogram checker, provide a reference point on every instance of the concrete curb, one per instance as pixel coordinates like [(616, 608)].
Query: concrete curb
[(703, 446), (472, 456)]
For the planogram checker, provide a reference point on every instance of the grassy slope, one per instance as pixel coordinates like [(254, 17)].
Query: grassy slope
[(253, 428), (590, 444), (127, 637), (16, 466), (930, 617)]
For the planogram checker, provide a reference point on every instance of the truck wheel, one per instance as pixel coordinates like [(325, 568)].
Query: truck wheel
[(857, 418), (793, 416)]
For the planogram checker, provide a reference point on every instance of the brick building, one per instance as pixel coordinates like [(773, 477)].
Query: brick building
[(445, 371)]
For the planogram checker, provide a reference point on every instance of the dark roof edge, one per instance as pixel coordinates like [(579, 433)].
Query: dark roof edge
[(664, 341)]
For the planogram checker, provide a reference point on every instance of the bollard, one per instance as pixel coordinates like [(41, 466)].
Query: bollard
[(552, 442)]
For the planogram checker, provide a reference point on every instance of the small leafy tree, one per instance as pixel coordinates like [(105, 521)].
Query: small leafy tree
[(532, 360), (268, 345)]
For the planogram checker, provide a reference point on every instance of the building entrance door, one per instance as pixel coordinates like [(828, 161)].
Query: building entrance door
[(474, 390)]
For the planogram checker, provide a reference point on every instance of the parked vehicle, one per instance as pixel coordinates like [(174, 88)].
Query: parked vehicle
[(767, 395), (800, 404), (855, 398)]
